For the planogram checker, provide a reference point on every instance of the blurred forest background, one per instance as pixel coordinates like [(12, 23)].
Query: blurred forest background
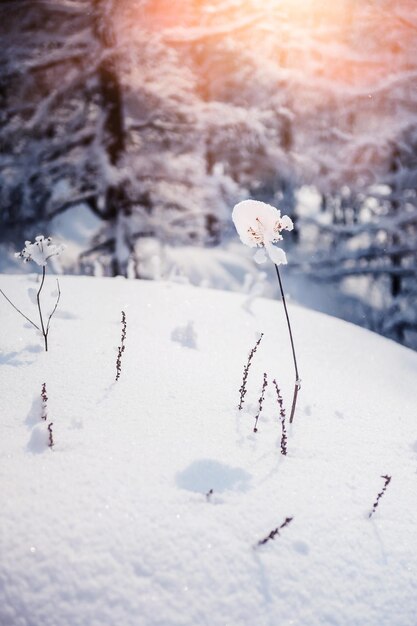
[(129, 128)]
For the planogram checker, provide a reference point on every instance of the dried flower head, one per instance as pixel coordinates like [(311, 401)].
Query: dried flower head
[(40, 251), (260, 225)]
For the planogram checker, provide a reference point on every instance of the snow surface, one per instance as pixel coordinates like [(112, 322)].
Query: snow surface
[(113, 525)]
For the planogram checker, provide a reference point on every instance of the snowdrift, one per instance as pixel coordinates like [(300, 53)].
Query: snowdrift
[(148, 509)]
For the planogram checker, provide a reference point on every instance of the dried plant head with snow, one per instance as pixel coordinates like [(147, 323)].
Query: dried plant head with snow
[(260, 225), (40, 251)]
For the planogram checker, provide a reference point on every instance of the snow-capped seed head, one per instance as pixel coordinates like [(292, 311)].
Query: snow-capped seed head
[(286, 223), (260, 224), (40, 251)]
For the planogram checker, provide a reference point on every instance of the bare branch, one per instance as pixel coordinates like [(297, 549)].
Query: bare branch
[(38, 299), (109, 244), (82, 199), (19, 311), (54, 309)]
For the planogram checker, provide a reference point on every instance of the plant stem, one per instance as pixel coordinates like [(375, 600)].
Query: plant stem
[(44, 333), (42, 329), (55, 307), (297, 385), (19, 311)]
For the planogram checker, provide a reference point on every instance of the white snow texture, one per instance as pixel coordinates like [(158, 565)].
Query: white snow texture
[(148, 509)]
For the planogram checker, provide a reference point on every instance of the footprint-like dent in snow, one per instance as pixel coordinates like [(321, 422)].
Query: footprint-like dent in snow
[(65, 315), (34, 348), (16, 359), (206, 474), (301, 547), (185, 335)]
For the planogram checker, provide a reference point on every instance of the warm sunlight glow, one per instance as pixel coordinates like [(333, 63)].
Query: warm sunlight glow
[(347, 42)]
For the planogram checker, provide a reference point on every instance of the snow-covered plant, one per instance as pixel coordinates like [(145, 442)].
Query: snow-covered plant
[(387, 480), (51, 442), (44, 398), (40, 252), (121, 348), (282, 419), (42, 436), (242, 390), (259, 225), (260, 401), (274, 532)]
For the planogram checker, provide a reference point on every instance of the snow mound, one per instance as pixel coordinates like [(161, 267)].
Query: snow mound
[(149, 509)]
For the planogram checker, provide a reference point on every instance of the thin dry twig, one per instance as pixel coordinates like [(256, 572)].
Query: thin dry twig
[(242, 389), (387, 480), (19, 311), (55, 307), (44, 397), (261, 401), (121, 348), (274, 532), (44, 329), (282, 416), (51, 442), (297, 384)]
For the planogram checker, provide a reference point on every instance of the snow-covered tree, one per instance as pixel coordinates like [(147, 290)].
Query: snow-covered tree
[(98, 110), (360, 151), (159, 115)]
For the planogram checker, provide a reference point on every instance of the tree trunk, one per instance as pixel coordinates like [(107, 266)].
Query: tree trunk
[(396, 281), (116, 199)]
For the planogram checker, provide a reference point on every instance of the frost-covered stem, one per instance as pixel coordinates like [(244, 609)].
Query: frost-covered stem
[(121, 348), (44, 402), (44, 332), (297, 384), (261, 401), (282, 419), (387, 480), (242, 389), (274, 532), (51, 442), (19, 311)]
